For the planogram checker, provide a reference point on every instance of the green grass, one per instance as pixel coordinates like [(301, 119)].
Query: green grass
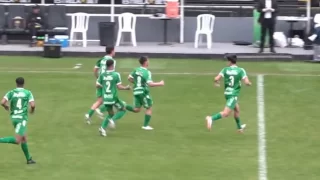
[(180, 148)]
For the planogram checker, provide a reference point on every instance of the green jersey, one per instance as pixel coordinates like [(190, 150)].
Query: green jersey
[(109, 82), (232, 79), (19, 99), (141, 77), (101, 64)]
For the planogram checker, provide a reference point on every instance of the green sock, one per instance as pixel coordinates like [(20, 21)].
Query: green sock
[(119, 115), (103, 108), (24, 147), (90, 112), (129, 108), (105, 122), (216, 117), (10, 139), (238, 122), (147, 119)]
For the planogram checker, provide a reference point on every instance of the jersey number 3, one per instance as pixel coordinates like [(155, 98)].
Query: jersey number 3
[(231, 83), (139, 81)]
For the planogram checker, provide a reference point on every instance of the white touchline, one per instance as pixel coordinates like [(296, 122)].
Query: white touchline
[(262, 156), (73, 71)]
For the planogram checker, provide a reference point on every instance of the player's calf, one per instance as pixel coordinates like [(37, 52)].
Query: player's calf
[(92, 110), (210, 119), (147, 119), (133, 109)]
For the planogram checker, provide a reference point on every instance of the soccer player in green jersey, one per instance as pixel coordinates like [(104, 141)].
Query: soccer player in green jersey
[(233, 75), (110, 82), (99, 69), (19, 99), (141, 79)]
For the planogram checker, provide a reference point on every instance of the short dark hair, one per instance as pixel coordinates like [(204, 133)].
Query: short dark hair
[(20, 81), (36, 7), (143, 59), (109, 50), (109, 63), (231, 57)]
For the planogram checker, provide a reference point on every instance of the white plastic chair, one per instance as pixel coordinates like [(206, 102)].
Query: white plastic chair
[(79, 24), (127, 23), (316, 19), (205, 23)]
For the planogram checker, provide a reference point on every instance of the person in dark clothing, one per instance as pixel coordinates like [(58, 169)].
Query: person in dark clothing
[(35, 21), (268, 16)]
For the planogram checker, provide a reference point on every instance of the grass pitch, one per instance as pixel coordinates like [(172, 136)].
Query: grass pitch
[(180, 148)]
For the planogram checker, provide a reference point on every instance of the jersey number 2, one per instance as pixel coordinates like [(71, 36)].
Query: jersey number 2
[(108, 86), (231, 83)]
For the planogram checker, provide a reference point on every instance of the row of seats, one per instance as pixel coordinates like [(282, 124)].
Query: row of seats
[(241, 2), (55, 16)]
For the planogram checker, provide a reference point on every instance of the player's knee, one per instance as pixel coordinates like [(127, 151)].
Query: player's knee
[(18, 140), (136, 110), (225, 114), (149, 111)]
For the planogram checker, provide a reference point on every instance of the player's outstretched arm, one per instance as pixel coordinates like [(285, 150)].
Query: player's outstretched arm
[(32, 106), (4, 104), (155, 84), (246, 81), (121, 87)]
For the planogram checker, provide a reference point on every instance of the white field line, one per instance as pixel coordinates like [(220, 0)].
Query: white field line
[(73, 71), (262, 155)]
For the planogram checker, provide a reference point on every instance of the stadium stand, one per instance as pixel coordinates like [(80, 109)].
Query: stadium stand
[(55, 15)]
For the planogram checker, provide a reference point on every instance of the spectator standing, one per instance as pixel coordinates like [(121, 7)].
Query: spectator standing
[(268, 15)]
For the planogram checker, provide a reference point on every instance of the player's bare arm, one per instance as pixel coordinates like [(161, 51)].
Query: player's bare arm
[(98, 85), (246, 81), (155, 84), (130, 79), (217, 80), (96, 72), (122, 87), (32, 106), (4, 104)]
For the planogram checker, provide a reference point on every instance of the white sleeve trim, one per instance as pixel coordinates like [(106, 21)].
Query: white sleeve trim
[(221, 74), (5, 97), (31, 100), (130, 76), (149, 81), (96, 67), (244, 76), (119, 83), (98, 83)]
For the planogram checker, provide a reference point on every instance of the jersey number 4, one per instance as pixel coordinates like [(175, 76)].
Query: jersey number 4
[(19, 104), (231, 83)]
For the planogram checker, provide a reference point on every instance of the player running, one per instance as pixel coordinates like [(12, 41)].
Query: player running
[(99, 69), (19, 99), (232, 84), (141, 78), (110, 82)]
